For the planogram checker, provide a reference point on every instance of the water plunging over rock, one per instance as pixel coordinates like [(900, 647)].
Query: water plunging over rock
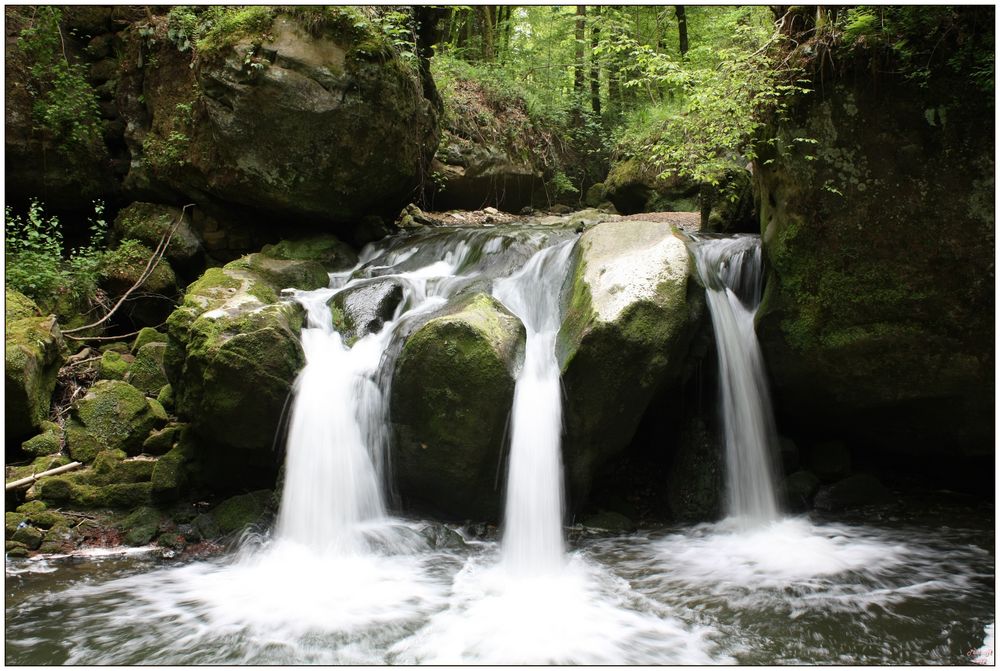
[(731, 271)]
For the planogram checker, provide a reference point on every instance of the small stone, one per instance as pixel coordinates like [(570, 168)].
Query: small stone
[(141, 526), (29, 535), (491, 210), (14, 549)]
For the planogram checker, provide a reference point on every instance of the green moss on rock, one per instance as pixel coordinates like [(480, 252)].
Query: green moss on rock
[(328, 250), (46, 443), (147, 373), (236, 513), (451, 396), (141, 526), (113, 415), (113, 366), (33, 353), (146, 336), (18, 306)]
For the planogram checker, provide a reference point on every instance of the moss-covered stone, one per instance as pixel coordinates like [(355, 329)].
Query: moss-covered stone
[(328, 250), (630, 317), (122, 267), (232, 358), (33, 353), (364, 308), (113, 365), (171, 474), (878, 316), (281, 273), (146, 336), (206, 526), (141, 526), (72, 490), (160, 442), (146, 373), (12, 521), (15, 550), (165, 397), (634, 187), (451, 395), (148, 222), (119, 347), (46, 443), (114, 466), (18, 306), (39, 465), (113, 415), (30, 536), (236, 513)]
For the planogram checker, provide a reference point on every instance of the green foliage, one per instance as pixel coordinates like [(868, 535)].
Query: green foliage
[(714, 102), (37, 264), (919, 41), (65, 104)]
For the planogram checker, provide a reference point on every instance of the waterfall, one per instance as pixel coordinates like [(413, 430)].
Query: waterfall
[(731, 270), (336, 463), (331, 482), (532, 537)]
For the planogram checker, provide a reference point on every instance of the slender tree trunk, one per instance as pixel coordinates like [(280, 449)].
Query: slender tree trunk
[(682, 29), (488, 20), (581, 26), (595, 70)]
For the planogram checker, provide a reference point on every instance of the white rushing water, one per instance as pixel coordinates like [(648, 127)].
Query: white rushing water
[(533, 514), (732, 272)]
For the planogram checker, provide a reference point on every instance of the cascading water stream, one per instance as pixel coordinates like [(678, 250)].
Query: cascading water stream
[(532, 537), (732, 273)]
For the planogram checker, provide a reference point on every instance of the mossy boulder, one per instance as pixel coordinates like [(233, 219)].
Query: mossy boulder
[(364, 308), (33, 353), (141, 526), (124, 266), (73, 490), (18, 306), (165, 397), (877, 322), (148, 222), (48, 442), (114, 467), (113, 365), (451, 395), (232, 355), (285, 273), (311, 114), (172, 472), (238, 512), (146, 373), (146, 336), (38, 514), (30, 536), (328, 250), (635, 187), (113, 415), (631, 315), (161, 442)]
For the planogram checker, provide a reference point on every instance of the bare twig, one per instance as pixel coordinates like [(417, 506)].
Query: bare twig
[(151, 264)]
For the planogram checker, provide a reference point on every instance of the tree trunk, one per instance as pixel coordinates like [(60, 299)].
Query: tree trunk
[(581, 26), (595, 71), (488, 19), (682, 29)]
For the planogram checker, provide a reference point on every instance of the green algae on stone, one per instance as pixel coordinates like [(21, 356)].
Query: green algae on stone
[(50, 441), (141, 526), (147, 373), (146, 336), (113, 365), (239, 512)]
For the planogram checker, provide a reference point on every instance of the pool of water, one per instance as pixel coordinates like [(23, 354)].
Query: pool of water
[(904, 588)]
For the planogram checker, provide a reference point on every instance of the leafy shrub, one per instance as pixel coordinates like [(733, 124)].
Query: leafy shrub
[(39, 267)]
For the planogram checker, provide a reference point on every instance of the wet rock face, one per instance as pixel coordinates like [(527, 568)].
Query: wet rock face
[(365, 308), (33, 353), (877, 318)]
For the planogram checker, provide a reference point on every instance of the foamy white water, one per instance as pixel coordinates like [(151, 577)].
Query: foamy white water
[(731, 271), (533, 512)]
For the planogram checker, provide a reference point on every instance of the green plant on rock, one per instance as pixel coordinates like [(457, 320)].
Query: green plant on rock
[(65, 104)]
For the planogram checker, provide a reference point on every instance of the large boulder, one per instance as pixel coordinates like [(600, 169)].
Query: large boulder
[(364, 308), (113, 415), (451, 397), (634, 187), (309, 113), (232, 355), (877, 322), (631, 315), (33, 354), (149, 222)]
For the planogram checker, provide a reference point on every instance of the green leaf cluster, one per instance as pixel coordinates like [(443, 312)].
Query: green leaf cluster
[(65, 104), (38, 265)]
